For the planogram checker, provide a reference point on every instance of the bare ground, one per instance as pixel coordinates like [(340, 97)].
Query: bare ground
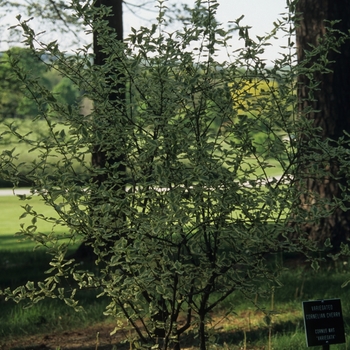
[(93, 337), (98, 336)]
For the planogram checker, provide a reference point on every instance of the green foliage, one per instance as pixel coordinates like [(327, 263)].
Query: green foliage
[(66, 92), (11, 210), (236, 316), (181, 213), (21, 149), (13, 102), (17, 320), (17, 100)]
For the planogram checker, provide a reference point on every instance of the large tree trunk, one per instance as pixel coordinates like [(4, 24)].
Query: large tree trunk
[(332, 100), (115, 21), (101, 156)]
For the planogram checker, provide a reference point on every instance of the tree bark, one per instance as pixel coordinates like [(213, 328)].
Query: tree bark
[(115, 21), (101, 157), (332, 100)]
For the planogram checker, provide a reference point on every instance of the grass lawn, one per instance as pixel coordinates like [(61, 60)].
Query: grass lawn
[(237, 325), (11, 210)]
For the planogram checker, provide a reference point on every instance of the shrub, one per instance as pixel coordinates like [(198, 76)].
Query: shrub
[(179, 209)]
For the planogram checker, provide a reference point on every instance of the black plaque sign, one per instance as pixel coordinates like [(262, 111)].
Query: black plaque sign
[(323, 321)]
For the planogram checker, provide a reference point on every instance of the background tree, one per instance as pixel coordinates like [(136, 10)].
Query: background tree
[(112, 13), (66, 92), (328, 110), (14, 101), (103, 158)]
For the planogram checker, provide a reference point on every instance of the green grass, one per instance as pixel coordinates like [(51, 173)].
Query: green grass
[(19, 263), (11, 210), (49, 315), (38, 129), (35, 130), (16, 320), (245, 327), (241, 324), (24, 149)]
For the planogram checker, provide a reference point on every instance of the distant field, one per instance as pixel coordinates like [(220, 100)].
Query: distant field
[(24, 152), (10, 211), (34, 130), (10, 206)]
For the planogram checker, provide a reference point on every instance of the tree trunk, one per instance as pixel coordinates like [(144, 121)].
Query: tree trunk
[(202, 334), (100, 156), (332, 100)]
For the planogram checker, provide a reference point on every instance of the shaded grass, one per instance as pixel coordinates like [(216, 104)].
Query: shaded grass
[(245, 327), (242, 326), (285, 336), (48, 316), (236, 325), (18, 267)]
